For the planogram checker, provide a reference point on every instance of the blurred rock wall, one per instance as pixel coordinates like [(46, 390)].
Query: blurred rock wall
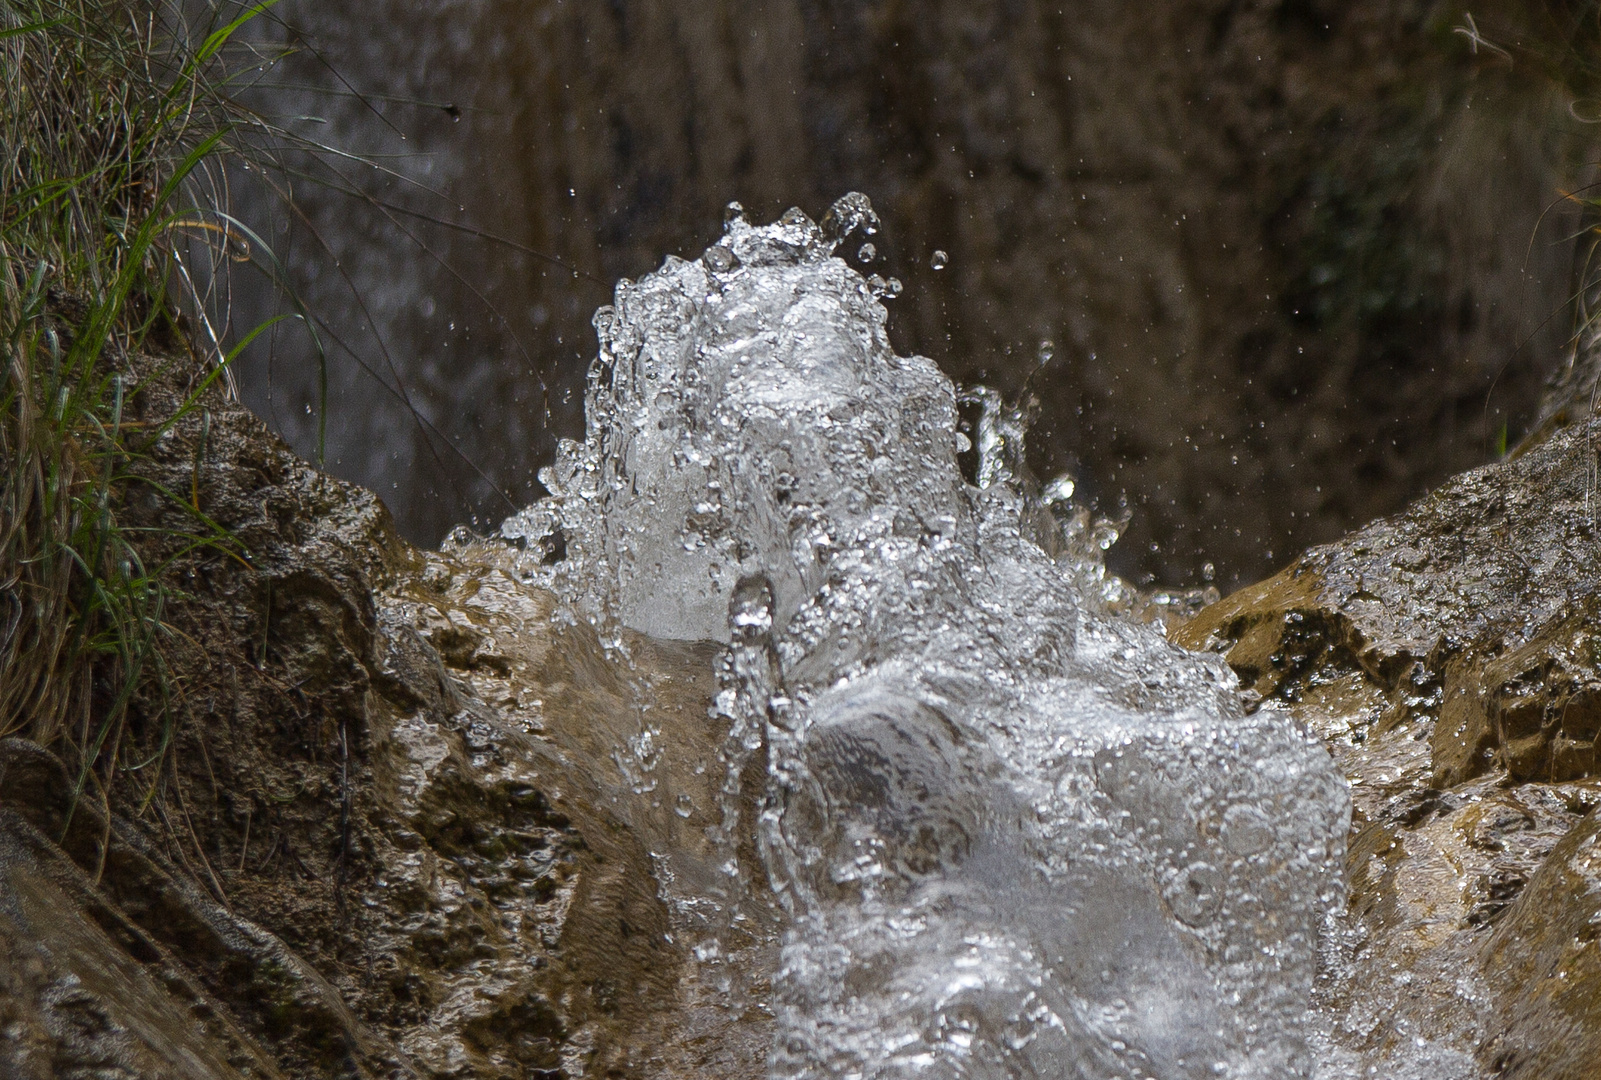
[(1291, 260)]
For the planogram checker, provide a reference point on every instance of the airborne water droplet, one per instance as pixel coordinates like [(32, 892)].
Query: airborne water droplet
[(867, 253), (939, 259)]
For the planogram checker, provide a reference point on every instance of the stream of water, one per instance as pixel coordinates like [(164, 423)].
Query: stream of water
[(1012, 834)]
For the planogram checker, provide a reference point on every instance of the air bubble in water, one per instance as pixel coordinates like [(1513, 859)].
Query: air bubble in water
[(720, 259), (939, 260)]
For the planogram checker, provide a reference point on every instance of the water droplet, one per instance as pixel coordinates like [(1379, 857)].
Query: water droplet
[(733, 213), (1208, 572), (849, 213), (1047, 351), (684, 806), (1059, 490), (939, 260), (867, 253)]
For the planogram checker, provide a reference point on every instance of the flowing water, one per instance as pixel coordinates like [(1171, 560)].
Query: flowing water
[(1011, 833)]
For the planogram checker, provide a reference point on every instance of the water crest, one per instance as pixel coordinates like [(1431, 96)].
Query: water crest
[(1013, 834)]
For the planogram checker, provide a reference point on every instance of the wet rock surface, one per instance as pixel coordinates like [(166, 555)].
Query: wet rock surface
[(1446, 656), (388, 843)]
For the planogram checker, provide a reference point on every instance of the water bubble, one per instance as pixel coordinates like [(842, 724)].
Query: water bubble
[(1196, 894), (1246, 830), (720, 259), (867, 252), (939, 260)]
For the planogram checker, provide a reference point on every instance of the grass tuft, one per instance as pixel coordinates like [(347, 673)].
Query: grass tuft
[(117, 123)]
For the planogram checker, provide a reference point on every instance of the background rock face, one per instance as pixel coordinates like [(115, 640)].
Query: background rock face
[(1288, 255)]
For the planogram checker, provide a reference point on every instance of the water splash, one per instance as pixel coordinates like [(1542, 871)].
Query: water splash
[(1015, 836)]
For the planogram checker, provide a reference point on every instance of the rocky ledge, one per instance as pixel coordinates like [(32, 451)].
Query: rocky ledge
[(387, 845), (1448, 658)]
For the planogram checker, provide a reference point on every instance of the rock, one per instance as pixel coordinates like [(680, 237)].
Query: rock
[(389, 840), (1545, 964), (83, 991), (1476, 608), (1447, 655)]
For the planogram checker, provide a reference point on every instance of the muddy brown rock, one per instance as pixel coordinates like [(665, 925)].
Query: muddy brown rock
[(1543, 960), (1475, 611)]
